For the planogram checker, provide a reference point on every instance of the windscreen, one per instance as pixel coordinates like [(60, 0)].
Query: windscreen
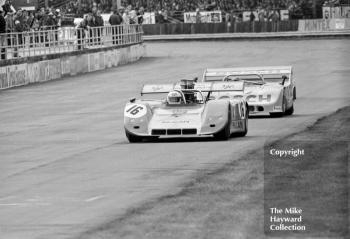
[(154, 96), (275, 78)]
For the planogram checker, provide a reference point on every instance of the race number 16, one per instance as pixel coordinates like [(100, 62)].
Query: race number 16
[(135, 111)]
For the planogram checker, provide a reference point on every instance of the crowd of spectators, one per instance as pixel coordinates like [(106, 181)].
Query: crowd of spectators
[(44, 18), (175, 8), (132, 11), (21, 20)]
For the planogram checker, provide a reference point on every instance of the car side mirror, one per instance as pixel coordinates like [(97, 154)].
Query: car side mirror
[(211, 98), (284, 78)]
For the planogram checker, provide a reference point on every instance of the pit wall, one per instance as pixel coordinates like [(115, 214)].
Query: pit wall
[(42, 69), (309, 25), (320, 25), (223, 27)]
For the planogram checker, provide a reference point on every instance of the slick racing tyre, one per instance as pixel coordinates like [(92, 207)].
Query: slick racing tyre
[(245, 126), (225, 133), (133, 138), (290, 111), (280, 114)]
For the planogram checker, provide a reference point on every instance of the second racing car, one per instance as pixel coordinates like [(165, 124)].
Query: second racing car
[(268, 90)]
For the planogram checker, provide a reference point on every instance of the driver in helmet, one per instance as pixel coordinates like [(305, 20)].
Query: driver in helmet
[(174, 98), (188, 86)]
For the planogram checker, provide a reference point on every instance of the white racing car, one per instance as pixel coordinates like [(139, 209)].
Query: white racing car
[(186, 109), (268, 90)]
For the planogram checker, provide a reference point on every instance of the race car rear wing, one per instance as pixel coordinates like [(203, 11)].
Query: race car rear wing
[(203, 87), (219, 73)]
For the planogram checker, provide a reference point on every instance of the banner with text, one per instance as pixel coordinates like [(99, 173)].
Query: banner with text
[(205, 17), (149, 18)]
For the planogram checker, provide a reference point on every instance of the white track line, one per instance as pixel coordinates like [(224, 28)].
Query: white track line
[(14, 204), (94, 198)]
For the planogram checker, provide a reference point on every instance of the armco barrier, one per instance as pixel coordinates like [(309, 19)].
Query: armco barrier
[(69, 64), (224, 27)]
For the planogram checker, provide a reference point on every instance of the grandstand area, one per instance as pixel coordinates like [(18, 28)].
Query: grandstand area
[(45, 27)]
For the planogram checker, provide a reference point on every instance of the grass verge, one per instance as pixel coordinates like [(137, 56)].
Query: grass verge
[(229, 203)]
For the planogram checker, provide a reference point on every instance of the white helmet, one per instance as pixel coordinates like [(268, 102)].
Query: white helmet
[(174, 98)]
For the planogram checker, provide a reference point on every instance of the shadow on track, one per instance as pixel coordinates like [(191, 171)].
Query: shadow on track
[(278, 117), (184, 140)]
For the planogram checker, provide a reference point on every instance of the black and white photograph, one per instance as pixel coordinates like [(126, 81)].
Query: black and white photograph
[(174, 119)]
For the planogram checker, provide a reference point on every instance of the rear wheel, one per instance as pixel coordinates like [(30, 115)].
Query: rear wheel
[(245, 126), (280, 114)]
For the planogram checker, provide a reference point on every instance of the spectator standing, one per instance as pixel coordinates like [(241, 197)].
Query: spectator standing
[(198, 16), (81, 32), (139, 14), (35, 23), (10, 23), (50, 26), (30, 21), (90, 24), (98, 19), (98, 23), (126, 22), (252, 17), (41, 17), (10, 27), (19, 26), (50, 21), (2, 35), (261, 15), (165, 14), (7, 7), (159, 17), (275, 16), (25, 20), (132, 17), (58, 17), (115, 20), (240, 17), (126, 17)]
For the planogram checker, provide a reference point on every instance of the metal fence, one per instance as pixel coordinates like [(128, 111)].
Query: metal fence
[(67, 39)]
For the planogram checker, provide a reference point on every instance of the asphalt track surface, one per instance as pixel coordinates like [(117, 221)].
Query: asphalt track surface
[(66, 166)]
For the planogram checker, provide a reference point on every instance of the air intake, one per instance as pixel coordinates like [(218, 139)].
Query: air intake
[(174, 132), (158, 132), (189, 131)]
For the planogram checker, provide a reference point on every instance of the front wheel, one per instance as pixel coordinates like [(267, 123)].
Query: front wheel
[(225, 133), (133, 138), (290, 111)]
